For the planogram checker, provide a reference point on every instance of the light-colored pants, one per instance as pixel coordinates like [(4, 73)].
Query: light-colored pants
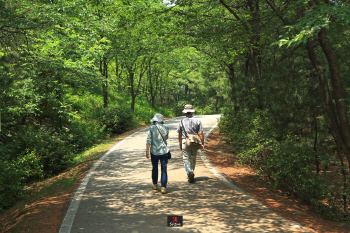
[(189, 156)]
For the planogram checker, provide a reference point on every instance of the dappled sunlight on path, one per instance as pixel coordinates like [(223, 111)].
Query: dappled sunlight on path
[(119, 196)]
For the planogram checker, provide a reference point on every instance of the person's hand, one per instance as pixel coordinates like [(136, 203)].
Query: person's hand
[(202, 147), (180, 146), (147, 155)]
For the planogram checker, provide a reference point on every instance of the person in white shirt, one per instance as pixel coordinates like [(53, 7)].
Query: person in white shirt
[(191, 125)]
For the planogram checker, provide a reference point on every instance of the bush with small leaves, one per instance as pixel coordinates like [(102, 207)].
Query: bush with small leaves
[(116, 119)]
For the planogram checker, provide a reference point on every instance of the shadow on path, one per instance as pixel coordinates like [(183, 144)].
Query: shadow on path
[(119, 197)]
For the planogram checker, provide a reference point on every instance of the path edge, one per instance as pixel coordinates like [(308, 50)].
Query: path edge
[(224, 179), (67, 223)]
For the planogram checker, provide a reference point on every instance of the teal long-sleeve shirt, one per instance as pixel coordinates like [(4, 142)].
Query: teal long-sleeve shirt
[(158, 146)]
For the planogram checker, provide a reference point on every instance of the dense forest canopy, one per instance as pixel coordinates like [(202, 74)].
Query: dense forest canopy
[(74, 72)]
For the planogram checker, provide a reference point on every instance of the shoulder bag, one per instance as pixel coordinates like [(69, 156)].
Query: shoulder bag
[(192, 140)]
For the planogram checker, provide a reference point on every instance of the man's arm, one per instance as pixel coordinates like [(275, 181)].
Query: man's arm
[(201, 136), (180, 141)]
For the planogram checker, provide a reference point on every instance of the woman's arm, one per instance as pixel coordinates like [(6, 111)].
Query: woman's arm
[(148, 147), (148, 143)]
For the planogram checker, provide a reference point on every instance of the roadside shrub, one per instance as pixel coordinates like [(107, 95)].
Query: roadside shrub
[(285, 158), (10, 184), (83, 133), (144, 111), (292, 168), (16, 174), (29, 167), (116, 119), (50, 146), (179, 106), (164, 111), (248, 134)]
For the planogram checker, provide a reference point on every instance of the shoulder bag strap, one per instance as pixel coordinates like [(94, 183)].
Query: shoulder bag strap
[(184, 128), (161, 136)]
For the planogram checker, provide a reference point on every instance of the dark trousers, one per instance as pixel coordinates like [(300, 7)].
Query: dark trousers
[(163, 165)]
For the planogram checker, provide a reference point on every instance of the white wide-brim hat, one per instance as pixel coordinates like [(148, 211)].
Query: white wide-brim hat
[(188, 108), (158, 117)]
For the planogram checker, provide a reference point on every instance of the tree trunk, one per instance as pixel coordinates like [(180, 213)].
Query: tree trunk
[(231, 78), (340, 132), (216, 103), (256, 52), (132, 92), (133, 102), (131, 70), (338, 94), (105, 91), (151, 87), (246, 67), (117, 74), (334, 124), (104, 73)]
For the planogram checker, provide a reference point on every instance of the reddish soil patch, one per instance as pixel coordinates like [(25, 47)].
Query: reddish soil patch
[(245, 178)]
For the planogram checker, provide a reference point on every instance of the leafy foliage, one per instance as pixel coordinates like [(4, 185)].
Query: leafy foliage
[(286, 159), (116, 120), (74, 72)]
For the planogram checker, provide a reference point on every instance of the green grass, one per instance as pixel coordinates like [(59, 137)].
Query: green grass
[(60, 184)]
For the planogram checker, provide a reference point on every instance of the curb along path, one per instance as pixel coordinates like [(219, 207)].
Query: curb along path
[(116, 195), (245, 195)]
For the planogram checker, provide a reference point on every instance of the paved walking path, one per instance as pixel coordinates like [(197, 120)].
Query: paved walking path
[(117, 196)]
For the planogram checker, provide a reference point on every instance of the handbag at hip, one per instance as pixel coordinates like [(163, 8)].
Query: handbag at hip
[(193, 141), (169, 155)]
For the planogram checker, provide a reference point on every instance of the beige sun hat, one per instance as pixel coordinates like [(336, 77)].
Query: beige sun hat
[(158, 117), (188, 108)]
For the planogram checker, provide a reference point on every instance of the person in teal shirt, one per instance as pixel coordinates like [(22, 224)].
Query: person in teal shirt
[(156, 146)]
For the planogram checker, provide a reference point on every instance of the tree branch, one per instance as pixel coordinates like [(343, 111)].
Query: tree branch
[(277, 12)]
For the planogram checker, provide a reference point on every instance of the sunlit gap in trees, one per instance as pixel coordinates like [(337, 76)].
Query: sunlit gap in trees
[(169, 3)]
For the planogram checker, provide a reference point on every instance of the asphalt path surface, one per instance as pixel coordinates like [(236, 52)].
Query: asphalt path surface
[(117, 196)]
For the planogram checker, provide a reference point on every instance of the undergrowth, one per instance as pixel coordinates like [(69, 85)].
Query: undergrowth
[(40, 150), (287, 156)]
